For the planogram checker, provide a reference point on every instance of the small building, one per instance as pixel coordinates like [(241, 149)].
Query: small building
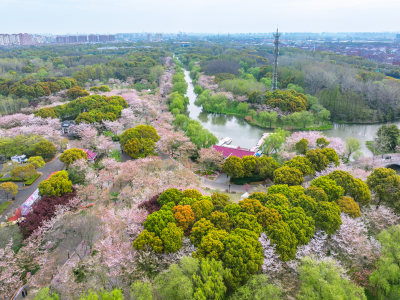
[(234, 151), (66, 127), (91, 156)]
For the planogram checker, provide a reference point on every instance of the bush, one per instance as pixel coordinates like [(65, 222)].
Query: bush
[(147, 239), (76, 92), (170, 195), (202, 208), (158, 220), (349, 206), (71, 155), (151, 205), (332, 190), (289, 176), (184, 216), (327, 217), (317, 193), (32, 179), (219, 200), (200, 229), (37, 161), (171, 237), (300, 163), (301, 146), (57, 185)]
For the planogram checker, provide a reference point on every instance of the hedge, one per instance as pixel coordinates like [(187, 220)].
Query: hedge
[(32, 179), (11, 179), (241, 181)]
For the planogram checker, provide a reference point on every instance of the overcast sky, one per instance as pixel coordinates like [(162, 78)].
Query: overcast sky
[(215, 16)]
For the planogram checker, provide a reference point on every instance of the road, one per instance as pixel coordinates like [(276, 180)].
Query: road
[(24, 193)]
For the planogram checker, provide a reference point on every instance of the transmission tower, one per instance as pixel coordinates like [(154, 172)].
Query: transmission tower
[(274, 84)]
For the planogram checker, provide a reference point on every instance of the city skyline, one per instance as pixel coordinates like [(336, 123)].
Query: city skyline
[(102, 16)]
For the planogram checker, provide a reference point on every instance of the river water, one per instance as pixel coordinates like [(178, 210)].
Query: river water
[(247, 136)]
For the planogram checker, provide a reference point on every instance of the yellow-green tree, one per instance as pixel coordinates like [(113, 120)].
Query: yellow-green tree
[(37, 161), (71, 155), (9, 188), (57, 185)]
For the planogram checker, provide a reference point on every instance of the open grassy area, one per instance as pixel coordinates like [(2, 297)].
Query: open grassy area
[(4, 206)]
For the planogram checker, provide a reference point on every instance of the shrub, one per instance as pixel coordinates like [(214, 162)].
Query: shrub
[(57, 185), (232, 209), (332, 190), (301, 146), (285, 240), (318, 160), (200, 229), (268, 216), (251, 206), (233, 166), (148, 239), (171, 237), (246, 221), (158, 220), (192, 193), (170, 195), (219, 200), (289, 176), (202, 208), (221, 220), (184, 216), (327, 217), (317, 193), (151, 205), (76, 92), (32, 179), (37, 161), (212, 245), (300, 163), (322, 142), (349, 206), (71, 155)]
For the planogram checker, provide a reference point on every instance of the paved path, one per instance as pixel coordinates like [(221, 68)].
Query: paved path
[(23, 194)]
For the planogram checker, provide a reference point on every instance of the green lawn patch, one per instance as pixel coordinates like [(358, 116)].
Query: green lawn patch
[(4, 206), (116, 154)]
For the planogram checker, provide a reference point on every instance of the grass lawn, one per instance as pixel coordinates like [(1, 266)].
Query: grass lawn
[(4, 206)]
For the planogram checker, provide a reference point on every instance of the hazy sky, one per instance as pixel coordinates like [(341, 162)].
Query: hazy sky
[(217, 16)]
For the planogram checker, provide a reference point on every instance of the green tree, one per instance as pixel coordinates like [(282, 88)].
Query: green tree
[(301, 146), (266, 166), (300, 163), (353, 187), (200, 229), (388, 135), (301, 225), (318, 160), (243, 256), (233, 166), (170, 195), (37, 161), (71, 155), (202, 208), (45, 149), (139, 132), (139, 148), (171, 237), (147, 239), (212, 245), (220, 200), (274, 141), (385, 184), (349, 206), (76, 92), (260, 196), (249, 165), (331, 155), (285, 240), (325, 280), (246, 221), (353, 146), (208, 281), (158, 220), (268, 216), (322, 142), (174, 283), (329, 186), (317, 193), (257, 288), (289, 176), (327, 217), (57, 185), (45, 294), (221, 220), (9, 188), (386, 278), (141, 290)]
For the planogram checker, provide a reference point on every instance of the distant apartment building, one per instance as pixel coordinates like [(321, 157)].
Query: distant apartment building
[(20, 39), (149, 37), (158, 37), (91, 38)]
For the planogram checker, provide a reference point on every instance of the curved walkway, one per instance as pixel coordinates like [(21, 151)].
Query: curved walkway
[(24, 193)]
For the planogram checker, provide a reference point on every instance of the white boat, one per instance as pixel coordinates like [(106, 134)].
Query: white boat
[(225, 141)]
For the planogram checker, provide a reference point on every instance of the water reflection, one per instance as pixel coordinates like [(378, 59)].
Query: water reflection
[(247, 136)]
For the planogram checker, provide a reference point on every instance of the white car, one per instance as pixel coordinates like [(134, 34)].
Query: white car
[(19, 158)]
